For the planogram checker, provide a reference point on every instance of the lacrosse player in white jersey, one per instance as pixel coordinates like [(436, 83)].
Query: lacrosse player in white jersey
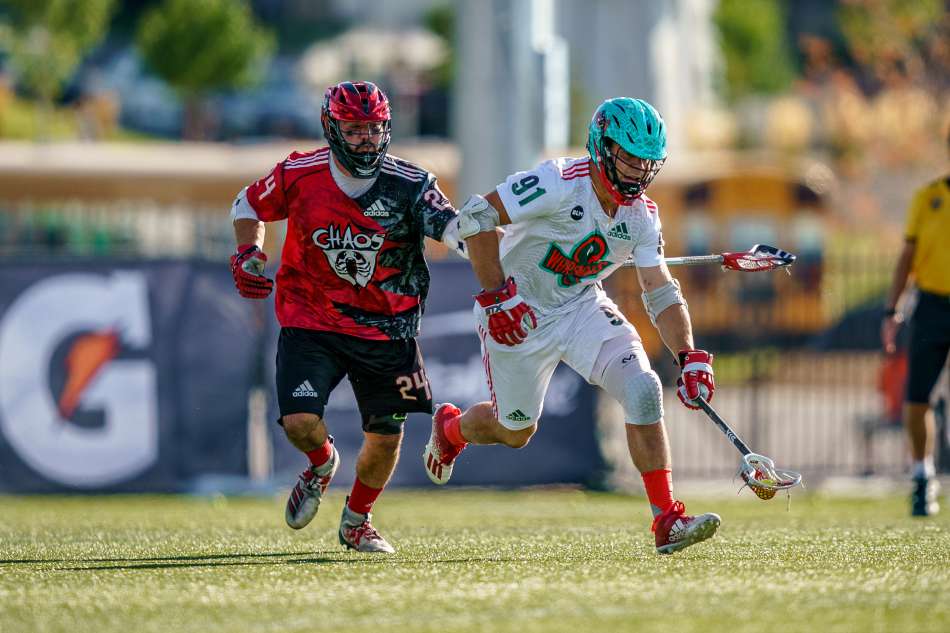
[(568, 223)]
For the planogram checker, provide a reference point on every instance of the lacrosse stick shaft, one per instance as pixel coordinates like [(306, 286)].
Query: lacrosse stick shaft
[(725, 428), (760, 257), (695, 260)]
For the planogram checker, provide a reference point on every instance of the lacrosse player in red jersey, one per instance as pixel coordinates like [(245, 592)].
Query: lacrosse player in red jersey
[(350, 292), (568, 224)]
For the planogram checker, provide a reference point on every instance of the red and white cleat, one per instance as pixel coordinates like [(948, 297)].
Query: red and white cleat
[(439, 456), (304, 500), (675, 530), (357, 533)]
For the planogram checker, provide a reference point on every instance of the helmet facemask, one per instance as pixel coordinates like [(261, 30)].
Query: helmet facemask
[(357, 124), (632, 179), (363, 157)]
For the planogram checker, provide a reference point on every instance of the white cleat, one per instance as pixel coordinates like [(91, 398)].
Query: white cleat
[(357, 533), (675, 530), (304, 500), (440, 454)]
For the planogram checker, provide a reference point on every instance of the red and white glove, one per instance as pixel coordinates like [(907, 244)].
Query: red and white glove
[(509, 317), (247, 266), (696, 377)]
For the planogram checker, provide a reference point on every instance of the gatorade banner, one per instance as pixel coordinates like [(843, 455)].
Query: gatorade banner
[(122, 376), (134, 376)]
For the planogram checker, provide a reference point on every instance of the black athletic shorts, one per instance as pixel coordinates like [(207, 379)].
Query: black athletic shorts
[(387, 376), (929, 345)]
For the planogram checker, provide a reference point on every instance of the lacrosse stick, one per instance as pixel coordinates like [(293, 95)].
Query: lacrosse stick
[(758, 258), (757, 471)]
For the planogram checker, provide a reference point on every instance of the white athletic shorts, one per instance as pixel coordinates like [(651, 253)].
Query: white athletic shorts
[(518, 376)]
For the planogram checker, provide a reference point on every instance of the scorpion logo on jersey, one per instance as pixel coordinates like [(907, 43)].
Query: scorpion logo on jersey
[(352, 256), (586, 260)]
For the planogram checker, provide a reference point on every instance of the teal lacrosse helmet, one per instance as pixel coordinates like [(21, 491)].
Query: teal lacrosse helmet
[(636, 127)]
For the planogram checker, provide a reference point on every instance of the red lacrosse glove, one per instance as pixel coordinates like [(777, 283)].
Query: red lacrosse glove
[(509, 317), (696, 377), (247, 266)]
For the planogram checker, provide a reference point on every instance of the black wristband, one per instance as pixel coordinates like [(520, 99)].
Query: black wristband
[(889, 312)]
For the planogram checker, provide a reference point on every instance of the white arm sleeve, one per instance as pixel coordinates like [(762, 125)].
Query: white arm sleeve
[(648, 251), (242, 209), (533, 193)]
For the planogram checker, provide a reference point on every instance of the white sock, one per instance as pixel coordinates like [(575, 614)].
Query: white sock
[(923, 469)]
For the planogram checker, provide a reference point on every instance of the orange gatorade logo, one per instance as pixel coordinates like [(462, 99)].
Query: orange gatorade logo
[(587, 259), (86, 357), (102, 427)]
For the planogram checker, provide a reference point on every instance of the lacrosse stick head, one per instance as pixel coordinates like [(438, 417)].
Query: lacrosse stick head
[(758, 258), (763, 478)]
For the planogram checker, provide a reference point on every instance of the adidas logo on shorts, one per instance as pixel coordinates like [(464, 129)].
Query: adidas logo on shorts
[(376, 210), (305, 390), (517, 416), (619, 232)]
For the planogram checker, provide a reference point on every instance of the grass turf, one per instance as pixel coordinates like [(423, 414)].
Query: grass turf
[(526, 561)]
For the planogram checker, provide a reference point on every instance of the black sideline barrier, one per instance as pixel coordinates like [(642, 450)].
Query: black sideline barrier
[(134, 376)]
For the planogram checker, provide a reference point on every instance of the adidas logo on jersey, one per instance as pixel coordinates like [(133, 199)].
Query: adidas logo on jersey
[(619, 232), (517, 416), (376, 210), (305, 390)]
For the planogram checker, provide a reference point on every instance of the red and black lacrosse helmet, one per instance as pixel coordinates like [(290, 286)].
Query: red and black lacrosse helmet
[(361, 102)]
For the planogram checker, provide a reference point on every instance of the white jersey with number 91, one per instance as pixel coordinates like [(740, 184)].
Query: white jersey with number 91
[(560, 242)]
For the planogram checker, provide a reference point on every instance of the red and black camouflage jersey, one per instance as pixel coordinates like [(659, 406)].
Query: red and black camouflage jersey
[(352, 265)]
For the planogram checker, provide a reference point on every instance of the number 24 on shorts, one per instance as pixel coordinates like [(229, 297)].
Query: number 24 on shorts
[(526, 184), (416, 381)]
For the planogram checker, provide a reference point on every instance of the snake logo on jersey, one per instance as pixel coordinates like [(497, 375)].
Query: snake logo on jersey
[(352, 256), (587, 259)]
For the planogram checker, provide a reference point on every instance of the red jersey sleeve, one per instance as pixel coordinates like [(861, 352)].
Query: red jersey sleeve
[(266, 196)]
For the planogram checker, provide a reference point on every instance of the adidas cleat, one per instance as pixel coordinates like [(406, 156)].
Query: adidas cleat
[(304, 500), (674, 530), (440, 454), (357, 533)]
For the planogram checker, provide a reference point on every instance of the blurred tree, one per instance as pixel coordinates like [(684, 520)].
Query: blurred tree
[(440, 19), (47, 41), (894, 40), (753, 43), (199, 46)]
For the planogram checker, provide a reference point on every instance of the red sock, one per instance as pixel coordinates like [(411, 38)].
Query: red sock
[(659, 485), (319, 456), (362, 497), (453, 431)]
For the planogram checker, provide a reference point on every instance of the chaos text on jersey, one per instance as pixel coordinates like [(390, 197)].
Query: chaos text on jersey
[(351, 253)]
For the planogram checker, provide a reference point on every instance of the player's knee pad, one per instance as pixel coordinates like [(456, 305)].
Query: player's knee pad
[(642, 398), (384, 424), (623, 370)]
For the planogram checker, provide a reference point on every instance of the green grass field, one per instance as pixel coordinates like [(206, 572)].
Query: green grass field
[(526, 561)]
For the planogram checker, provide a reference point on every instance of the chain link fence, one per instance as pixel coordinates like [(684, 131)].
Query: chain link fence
[(799, 371)]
